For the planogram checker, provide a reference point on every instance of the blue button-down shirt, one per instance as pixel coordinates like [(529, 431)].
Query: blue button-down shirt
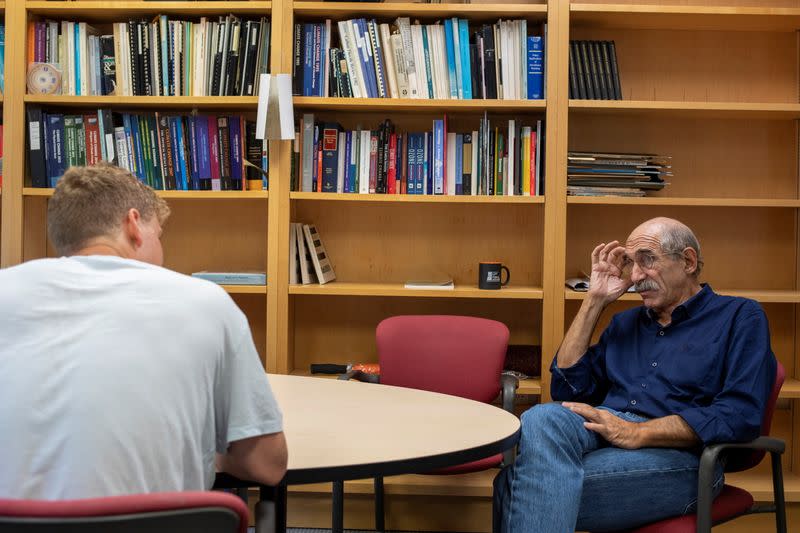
[(712, 366)]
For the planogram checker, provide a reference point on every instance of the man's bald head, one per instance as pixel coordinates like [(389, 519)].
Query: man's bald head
[(672, 236)]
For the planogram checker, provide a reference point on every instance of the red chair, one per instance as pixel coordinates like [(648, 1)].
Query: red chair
[(733, 501), (457, 355), (158, 512)]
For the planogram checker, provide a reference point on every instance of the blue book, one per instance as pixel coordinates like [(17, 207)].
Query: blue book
[(77, 60), (347, 151), (451, 57), (316, 61), (426, 167), (427, 54), (420, 163), (308, 59), (2, 57), (367, 63), (180, 148), (535, 67), (354, 155), (438, 157), (193, 154), (459, 163), (411, 187), (466, 71), (233, 278), (235, 134), (203, 153), (136, 141), (126, 125), (55, 160), (378, 53)]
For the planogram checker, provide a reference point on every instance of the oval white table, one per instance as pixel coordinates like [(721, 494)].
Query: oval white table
[(338, 430)]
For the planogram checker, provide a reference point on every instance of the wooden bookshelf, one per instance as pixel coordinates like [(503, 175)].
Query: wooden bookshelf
[(178, 195), (341, 288), (414, 198), (729, 110), (105, 11), (732, 135), (393, 105), (147, 102)]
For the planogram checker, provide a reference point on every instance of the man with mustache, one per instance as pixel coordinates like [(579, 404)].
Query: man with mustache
[(686, 369)]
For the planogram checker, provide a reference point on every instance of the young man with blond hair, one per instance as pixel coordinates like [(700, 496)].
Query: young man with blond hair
[(120, 376)]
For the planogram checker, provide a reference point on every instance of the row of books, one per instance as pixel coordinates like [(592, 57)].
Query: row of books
[(165, 151), (162, 57), (504, 159), (308, 259), (430, 61), (616, 174), (2, 57), (593, 71)]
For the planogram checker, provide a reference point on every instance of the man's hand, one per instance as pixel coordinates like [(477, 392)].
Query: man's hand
[(606, 282), (618, 432)]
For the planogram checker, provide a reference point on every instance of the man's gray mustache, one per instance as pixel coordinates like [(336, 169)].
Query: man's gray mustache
[(647, 285)]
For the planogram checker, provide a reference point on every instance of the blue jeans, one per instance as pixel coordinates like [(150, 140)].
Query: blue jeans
[(566, 477)]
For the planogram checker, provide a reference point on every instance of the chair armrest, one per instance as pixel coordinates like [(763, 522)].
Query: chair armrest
[(708, 462), (508, 392), (360, 375)]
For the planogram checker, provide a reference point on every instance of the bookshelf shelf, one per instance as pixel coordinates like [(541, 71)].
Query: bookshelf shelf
[(344, 10), (661, 17), (245, 289), (178, 195), (695, 110), (342, 288), (112, 11), (763, 296), (393, 105), (790, 389), (414, 198), (699, 202), (158, 102)]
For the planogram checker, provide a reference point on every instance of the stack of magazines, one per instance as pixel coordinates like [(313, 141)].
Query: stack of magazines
[(616, 174)]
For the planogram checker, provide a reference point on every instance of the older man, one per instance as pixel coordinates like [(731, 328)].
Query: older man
[(686, 369)]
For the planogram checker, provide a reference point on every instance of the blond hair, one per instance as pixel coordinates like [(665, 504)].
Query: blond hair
[(92, 202)]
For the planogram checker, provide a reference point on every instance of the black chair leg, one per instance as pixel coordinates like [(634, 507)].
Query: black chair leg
[(777, 487), (379, 523), (337, 519)]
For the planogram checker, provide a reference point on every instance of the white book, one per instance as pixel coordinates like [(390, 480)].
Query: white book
[(457, 48), (502, 47), (430, 31), (83, 59), (498, 56), (512, 156), (347, 50), (419, 61), (122, 148), (340, 162), (388, 60), (363, 164), (198, 84), (307, 155), (357, 74), (399, 65), (404, 24), (450, 169), (538, 158), (155, 58), (319, 256), (70, 32), (474, 176), (326, 57), (294, 272), (441, 62), (445, 284), (303, 258)]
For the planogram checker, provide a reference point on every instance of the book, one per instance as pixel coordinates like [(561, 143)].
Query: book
[(233, 278), (445, 284), (319, 257)]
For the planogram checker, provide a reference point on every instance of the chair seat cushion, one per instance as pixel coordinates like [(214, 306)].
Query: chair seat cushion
[(474, 466), (730, 503)]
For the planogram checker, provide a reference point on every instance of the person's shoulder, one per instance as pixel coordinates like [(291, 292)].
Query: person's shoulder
[(735, 304)]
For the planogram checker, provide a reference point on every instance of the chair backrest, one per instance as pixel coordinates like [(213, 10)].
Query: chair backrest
[(458, 355), (737, 462), (160, 512)]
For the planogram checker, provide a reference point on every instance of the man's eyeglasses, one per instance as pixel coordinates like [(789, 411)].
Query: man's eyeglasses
[(645, 260)]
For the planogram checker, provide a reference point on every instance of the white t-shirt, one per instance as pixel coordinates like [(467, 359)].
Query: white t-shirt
[(119, 377)]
